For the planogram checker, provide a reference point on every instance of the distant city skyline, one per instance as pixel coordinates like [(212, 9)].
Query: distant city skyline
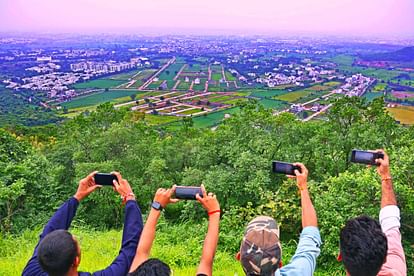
[(385, 18)]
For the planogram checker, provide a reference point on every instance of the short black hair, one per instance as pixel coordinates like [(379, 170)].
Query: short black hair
[(57, 252), (363, 246), (152, 267)]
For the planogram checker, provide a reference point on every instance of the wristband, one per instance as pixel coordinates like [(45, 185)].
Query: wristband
[(213, 212), (124, 198)]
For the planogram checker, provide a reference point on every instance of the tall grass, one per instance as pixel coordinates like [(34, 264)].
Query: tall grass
[(178, 245)]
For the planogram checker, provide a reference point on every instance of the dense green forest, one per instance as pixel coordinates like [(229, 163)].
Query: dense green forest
[(40, 168), (16, 110)]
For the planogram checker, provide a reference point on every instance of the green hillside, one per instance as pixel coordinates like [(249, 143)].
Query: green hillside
[(40, 169)]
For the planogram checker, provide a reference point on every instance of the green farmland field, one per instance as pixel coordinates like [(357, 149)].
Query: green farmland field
[(98, 98), (100, 84)]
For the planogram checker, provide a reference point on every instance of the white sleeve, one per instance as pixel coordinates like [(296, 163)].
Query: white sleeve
[(389, 217)]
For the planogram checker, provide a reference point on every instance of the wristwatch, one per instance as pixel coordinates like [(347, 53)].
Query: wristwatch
[(156, 205)]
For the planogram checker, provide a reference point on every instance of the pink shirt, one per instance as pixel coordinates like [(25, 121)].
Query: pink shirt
[(390, 223)]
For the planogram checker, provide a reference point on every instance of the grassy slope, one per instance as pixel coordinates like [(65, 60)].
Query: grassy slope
[(100, 248)]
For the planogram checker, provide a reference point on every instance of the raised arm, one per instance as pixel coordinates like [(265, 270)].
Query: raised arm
[(62, 219), (303, 261), (309, 217), (163, 197), (212, 206), (132, 229), (390, 221), (387, 195)]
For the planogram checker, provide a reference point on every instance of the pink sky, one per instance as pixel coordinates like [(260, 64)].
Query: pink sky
[(385, 17)]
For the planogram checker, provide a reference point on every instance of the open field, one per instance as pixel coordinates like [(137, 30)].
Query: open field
[(293, 96), (124, 76), (98, 98), (403, 114), (99, 83), (171, 71), (273, 104)]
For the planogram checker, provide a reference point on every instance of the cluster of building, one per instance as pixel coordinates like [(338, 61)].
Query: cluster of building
[(294, 74), (356, 85), (44, 68), (56, 81), (106, 67)]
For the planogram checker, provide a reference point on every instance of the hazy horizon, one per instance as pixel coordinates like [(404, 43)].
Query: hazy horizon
[(385, 18)]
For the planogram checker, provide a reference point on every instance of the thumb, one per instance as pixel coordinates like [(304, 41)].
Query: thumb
[(174, 200)]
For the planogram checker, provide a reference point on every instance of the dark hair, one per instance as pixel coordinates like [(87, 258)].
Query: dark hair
[(363, 246), (57, 252), (152, 267)]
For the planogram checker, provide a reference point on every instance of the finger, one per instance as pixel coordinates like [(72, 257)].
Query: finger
[(91, 175), (174, 200), (116, 184), (214, 196), (210, 194), (198, 197), (203, 190), (95, 187), (118, 175), (159, 190), (290, 176), (297, 172)]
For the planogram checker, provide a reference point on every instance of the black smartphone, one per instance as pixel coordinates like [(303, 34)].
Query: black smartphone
[(105, 179), (187, 192), (366, 157), (285, 168)]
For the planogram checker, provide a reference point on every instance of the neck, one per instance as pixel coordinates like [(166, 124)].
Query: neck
[(73, 272)]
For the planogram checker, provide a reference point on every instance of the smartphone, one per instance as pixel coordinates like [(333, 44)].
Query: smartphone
[(187, 192), (105, 179), (285, 168), (366, 157)]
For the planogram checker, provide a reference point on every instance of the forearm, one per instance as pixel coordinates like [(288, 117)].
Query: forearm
[(388, 195), (210, 245), (62, 218), (309, 217), (146, 240)]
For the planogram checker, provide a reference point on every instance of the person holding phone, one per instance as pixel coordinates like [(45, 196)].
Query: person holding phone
[(58, 252), (261, 251), (145, 266), (369, 247)]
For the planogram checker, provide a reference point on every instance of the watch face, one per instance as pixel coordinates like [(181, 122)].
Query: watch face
[(156, 205)]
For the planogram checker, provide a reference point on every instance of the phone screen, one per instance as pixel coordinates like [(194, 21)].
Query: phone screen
[(364, 157), (284, 168), (105, 179)]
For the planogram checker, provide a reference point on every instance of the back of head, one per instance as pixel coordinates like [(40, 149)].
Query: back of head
[(152, 267), (260, 251), (363, 246), (57, 252)]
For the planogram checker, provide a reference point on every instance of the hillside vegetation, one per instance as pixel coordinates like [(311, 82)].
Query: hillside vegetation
[(40, 168)]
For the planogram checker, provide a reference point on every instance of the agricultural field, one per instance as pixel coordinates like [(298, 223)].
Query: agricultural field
[(403, 114), (171, 71), (142, 77), (98, 98), (99, 84)]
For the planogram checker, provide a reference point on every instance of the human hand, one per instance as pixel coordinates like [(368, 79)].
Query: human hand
[(122, 186), (163, 196), (384, 165), (208, 201), (86, 186), (301, 177)]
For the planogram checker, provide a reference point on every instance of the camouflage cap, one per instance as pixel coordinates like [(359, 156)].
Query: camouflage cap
[(260, 251)]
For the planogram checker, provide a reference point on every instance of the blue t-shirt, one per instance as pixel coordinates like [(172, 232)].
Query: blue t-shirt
[(304, 261), (62, 219)]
